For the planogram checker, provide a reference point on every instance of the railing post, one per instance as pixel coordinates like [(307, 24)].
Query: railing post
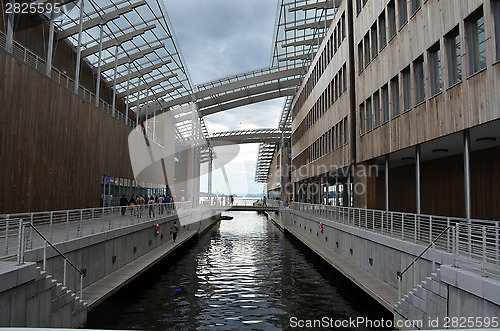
[(7, 235), (484, 252), (382, 217), (457, 244), (433, 257), (392, 224), (44, 256), (399, 285), (415, 228), (373, 220), (414, 274), (65, 262), (469, 237), (403, 226), (81, 286), (497, 246), (448, 235), (80, 224), (29, 243), (51, 224), (67, 225), (20, 242), (92, 222), (430, 229)]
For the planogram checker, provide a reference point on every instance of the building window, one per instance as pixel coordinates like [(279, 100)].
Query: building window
[(362, 118), (376, 108), (385, 102), (454, 57), (476, 41), (382, 30), (360, 57), (395, 96), (374, 40), (344, 77), (367, 49), (359, 6), (435, 69), (418, 69), (406, 89), (391, 12), (415, 5), (342, 22), (496, 14), (369, 114), (403, 13)]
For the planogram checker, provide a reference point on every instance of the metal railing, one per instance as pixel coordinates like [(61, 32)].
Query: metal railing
[(21, 252), (414, 262), (63, 225), (475, 243), (29, 58)]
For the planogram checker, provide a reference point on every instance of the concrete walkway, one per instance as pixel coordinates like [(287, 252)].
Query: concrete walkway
[(385, 294), (102, 289)]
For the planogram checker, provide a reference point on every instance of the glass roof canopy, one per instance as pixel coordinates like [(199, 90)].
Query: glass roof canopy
[(143, 33)]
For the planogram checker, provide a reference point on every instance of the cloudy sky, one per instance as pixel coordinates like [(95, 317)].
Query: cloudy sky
[(219, 38)]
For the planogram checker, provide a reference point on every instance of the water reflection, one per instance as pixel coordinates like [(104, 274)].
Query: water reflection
[(244, 274)]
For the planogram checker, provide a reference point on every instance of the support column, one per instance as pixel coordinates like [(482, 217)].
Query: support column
[(50, 48), (348, 194), (128, 91), (387, 182), (114, 81), (9, 40), (98, 83), (467, 173), (79, 49), (417, 178), (210, 169)]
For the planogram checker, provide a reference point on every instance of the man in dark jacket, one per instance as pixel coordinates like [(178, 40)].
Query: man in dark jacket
[(123, 203)]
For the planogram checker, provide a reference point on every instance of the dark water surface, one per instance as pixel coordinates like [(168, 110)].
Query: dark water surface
[(244, 274)]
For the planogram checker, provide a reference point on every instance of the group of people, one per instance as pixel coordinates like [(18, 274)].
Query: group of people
[(137, 203)]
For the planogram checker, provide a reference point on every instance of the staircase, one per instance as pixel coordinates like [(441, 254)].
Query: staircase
[(59, 306), (426, 303)]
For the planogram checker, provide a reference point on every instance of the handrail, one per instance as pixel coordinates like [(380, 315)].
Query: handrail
[(400, 274), (55, 248), (22, 224)]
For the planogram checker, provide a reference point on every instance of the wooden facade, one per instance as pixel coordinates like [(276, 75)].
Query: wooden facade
[(436, 121)]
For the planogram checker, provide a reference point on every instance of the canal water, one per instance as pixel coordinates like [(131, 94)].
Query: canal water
[(244, 274)]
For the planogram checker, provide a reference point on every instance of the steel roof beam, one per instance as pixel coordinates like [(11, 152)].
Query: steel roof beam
[(100, 19), (132, 58), (118, 41), (142, 72), (312, 25), (313, 41), (157, 95), (318, 5), (145, 86)]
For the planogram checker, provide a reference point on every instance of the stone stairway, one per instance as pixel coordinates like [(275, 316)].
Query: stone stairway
[(426, 303), (59, 306)]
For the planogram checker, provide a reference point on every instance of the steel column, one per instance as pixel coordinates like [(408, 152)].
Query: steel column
[(98, 78), (9, 41), (79, 49), (417, 177), (114, 81), (48, 67), (128, 90), (387, 182), (467, 173)]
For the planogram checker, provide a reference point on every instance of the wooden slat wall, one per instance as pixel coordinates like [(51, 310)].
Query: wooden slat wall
[(442, 186), (54, 147)]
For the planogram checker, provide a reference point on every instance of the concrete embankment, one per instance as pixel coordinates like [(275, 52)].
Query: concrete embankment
[(110, 260)]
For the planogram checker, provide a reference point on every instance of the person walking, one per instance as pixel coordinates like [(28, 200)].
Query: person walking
[(140, 202), (151, 207), (131, 202), (264, 201), (123, 204), (161, 201), (173, 230)]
